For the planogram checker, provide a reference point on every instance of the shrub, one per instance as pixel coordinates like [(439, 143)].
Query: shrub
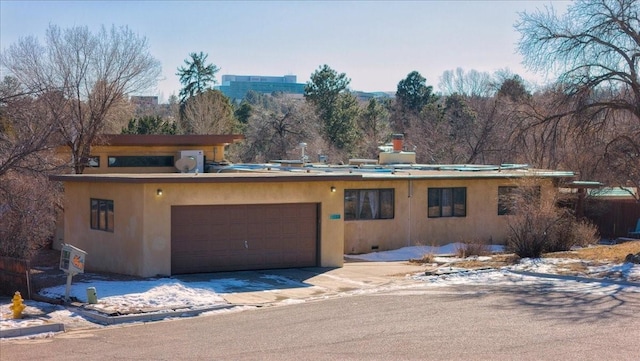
[(476, 247), (538, 226), (529, 234), (569, 232), (27, 214), (533, 217)]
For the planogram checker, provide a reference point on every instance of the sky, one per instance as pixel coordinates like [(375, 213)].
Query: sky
[(375, 43), (169, 293)]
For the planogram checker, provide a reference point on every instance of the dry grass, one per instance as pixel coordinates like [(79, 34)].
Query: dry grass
[(603, 254), (497, 261), (476, 247), (591, 256), (426, 258)]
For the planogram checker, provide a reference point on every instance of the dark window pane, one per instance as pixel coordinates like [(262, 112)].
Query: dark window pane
[(447, 202), (387, 204), (350, 202), (109, 225), (102, 214), (94, 213), (434, 202), (506, 200), (94, 162), (459, 202), (141, 161)]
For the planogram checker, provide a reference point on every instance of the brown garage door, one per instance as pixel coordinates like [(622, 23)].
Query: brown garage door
[(243, 237)]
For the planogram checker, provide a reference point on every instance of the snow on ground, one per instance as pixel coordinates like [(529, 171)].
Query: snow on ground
[(165, 293), (154, 293), (415, 252)]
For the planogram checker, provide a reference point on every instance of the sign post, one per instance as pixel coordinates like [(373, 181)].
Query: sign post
[(72, 263)]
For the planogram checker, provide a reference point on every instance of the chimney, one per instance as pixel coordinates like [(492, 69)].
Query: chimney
[(398, 140)]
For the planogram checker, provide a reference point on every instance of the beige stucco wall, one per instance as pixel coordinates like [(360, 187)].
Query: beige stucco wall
[(119, 251), (412, 227), (141, 241)]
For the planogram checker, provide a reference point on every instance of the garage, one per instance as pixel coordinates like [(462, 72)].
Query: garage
[(215, 238)]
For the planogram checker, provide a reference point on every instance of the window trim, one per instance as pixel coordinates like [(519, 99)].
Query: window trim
[(381, 215), (455, 193), (101, 209)]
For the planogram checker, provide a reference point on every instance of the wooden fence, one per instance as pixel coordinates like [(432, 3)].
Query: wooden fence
[(613, 218), (15, 276)]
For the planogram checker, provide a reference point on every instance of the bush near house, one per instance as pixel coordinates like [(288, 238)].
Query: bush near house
[(538, 226)]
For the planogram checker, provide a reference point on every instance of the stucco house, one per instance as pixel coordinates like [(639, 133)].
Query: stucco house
[(277, 215)]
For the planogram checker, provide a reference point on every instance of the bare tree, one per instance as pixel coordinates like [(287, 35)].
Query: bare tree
[(89, 72), (540, 128), (209, 112), (277, 126), (26, 129), (28, 202), (471, 84), (595, 51)]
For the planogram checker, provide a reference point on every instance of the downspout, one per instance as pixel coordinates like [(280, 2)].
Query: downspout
[(409, 194)]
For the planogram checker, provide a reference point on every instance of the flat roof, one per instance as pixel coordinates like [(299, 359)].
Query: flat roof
[(274, 173), (162, 139)]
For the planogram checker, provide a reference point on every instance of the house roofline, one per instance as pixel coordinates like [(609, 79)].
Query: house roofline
[(200, 178), (302, 176), (162, 139)]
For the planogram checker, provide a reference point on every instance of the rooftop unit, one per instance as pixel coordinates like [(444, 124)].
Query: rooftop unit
[(190, 161)]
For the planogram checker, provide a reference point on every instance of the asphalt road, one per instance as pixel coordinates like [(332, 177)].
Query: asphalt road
[(452, 323)]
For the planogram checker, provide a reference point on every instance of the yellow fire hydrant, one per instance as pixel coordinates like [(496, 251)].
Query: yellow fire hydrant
[(17, 306)]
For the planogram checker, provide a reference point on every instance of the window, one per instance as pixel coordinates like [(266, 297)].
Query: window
[(447, 202), (141, 161), (506, 200), (508, 197), (102, 214), (93, 162), (368, 204)]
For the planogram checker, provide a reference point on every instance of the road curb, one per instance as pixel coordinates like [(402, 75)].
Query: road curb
[(575, 278), (32, 330), (146, 317)]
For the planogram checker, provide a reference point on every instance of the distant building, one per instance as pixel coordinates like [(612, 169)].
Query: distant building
[(144, 101), (237, 86), (366, 96)]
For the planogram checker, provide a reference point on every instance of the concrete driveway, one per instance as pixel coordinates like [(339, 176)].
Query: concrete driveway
[(274, 286)]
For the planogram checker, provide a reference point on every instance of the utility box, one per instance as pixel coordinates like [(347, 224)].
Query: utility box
[(196, 155), (72, 259), (92, 295)]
